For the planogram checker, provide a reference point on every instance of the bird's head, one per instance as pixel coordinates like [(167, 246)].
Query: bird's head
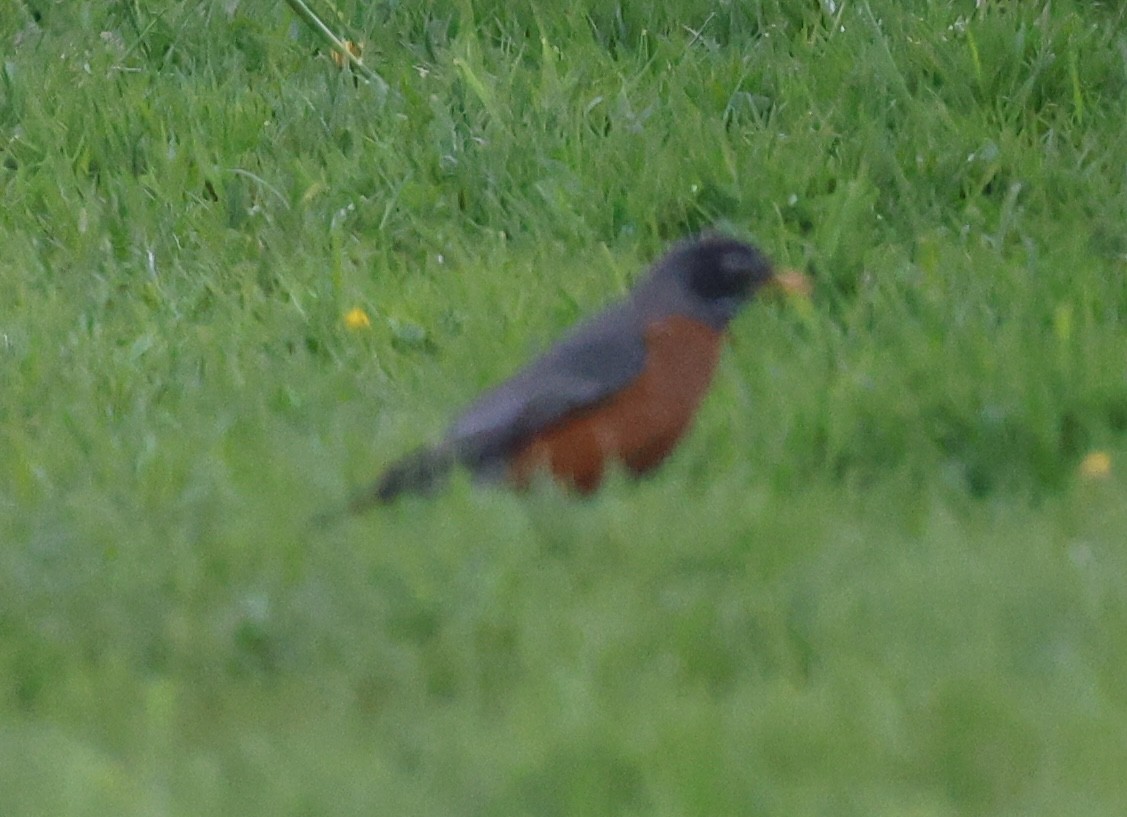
[(714, 276)]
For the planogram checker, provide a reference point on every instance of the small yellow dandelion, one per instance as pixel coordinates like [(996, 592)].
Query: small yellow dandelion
[(1097, 465), (355, 49), (357, 318)]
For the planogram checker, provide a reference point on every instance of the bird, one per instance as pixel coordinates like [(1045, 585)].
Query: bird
[(619, 390)]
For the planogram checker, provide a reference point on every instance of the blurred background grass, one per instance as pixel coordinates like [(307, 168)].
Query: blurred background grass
[(871, 581)]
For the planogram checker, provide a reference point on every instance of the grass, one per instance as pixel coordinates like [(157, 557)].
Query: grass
[(872, 581)]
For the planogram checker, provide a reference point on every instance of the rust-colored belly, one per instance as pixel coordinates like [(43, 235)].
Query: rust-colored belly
[(637, 427)]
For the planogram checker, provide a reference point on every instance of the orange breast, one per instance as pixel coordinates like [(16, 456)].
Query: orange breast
[(640, 425)]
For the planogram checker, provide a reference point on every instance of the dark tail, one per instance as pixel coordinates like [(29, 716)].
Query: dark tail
[(420, 472)]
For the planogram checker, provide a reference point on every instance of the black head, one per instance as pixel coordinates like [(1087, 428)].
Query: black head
[(723, 268), (715, 276)]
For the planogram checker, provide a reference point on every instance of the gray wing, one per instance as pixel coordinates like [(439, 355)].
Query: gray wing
[(597, 359)]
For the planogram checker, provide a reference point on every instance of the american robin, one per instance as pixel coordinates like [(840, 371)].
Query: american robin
[(621, 388)]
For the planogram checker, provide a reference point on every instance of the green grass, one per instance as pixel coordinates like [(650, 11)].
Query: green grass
[(870, 582)]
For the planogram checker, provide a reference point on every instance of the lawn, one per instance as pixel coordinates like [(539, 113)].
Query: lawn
[(886, 573)]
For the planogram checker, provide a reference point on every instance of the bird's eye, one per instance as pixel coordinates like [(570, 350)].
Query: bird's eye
[(736, 269), (734, 262), (728, 270)]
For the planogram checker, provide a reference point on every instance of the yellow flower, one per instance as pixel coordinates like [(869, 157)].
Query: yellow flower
[(355, 49), (1097, 465), (357, 318)]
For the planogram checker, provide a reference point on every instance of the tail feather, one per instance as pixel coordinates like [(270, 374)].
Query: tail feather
[(420, 472)]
